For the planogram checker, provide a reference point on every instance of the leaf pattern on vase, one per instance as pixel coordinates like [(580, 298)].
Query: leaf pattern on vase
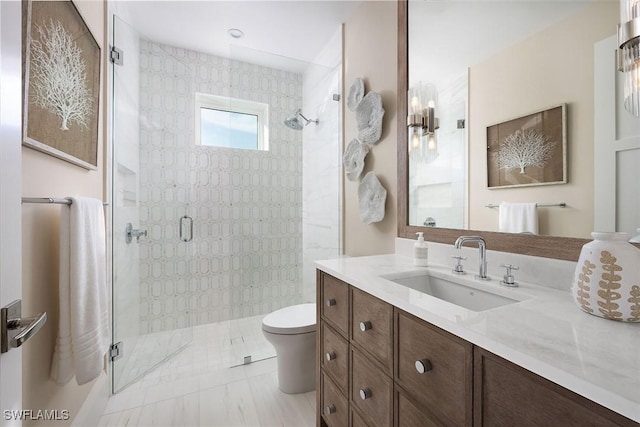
[(608, 285), (635, 304), (583, 286)]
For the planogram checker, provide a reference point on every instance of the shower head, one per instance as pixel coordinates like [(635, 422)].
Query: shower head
[(294, 122)]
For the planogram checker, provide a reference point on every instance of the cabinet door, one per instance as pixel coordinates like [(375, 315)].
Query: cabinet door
[(436, 368), (507, 395), (334, 302), (372, 327)]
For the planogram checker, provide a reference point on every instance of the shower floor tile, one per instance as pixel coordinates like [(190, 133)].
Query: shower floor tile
[(207, 384)]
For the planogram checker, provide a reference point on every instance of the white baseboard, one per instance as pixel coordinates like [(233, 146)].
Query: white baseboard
[(93, 407)]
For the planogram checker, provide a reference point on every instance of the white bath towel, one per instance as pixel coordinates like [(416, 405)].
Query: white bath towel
[(518, 218), (83, 332)]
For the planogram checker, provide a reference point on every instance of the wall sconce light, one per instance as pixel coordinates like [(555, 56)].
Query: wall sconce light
[(628, 54), (423, 123)]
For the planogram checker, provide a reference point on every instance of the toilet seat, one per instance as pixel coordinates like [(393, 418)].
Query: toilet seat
[(292, 320)]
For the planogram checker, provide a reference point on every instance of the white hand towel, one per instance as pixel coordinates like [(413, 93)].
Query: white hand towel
[(83, 334), (518, 218)]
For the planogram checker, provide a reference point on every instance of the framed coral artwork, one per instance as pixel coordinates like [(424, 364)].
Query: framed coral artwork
[(61, 83), (529, 150)]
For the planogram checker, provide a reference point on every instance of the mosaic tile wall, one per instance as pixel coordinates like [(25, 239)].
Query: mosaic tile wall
[(246, 254)]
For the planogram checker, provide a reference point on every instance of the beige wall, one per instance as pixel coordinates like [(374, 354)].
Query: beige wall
[(370, 52), (46, 176), (550, 68)]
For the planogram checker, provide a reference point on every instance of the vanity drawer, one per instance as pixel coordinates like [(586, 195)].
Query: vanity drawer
[(371, 390), (435, 368), (335, 407), (335, 357), (335, 302), (372, 326)]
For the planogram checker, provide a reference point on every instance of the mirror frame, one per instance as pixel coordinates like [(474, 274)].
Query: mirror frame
[(563, 248)]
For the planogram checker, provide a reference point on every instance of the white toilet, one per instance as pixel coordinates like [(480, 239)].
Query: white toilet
[(292, 331)]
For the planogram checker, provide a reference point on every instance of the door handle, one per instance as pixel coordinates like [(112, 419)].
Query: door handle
[(186, 228), (16, 330)]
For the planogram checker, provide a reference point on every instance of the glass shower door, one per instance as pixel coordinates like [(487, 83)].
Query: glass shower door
[(151, 248)]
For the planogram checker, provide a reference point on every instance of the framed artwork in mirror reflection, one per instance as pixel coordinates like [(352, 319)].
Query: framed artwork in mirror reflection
[(528, 150)]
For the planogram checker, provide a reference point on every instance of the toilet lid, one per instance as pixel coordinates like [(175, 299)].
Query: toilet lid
[(296, 319)]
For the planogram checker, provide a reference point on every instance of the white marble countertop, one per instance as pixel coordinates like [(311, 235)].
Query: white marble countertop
[(546, 333)]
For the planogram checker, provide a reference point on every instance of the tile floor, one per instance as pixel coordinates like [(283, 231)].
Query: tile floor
[(206, 384)]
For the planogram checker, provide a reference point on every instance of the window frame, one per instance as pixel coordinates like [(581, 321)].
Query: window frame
[(233, 105)]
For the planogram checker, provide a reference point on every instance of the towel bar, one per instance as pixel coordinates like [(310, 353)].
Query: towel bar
[(51, 200), (540, 205)]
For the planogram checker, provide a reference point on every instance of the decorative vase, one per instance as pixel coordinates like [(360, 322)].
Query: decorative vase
[(607, 278)]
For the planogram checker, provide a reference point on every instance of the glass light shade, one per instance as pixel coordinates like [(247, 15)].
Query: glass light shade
[(415, 138), (415, 101), (629, 9), (426, 151), (630, 55), (631, 69), (430, 96)]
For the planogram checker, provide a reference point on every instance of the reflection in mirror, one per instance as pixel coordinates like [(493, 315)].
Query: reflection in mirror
[(491, 62)]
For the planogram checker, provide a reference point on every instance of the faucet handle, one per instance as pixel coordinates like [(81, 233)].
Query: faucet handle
[(508, 279), (459, 269)]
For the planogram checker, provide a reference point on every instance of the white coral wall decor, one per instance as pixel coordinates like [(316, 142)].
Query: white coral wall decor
[(525, 148), (356, 93), (369, 116), (58, 76), (371, 199), (353, 159)]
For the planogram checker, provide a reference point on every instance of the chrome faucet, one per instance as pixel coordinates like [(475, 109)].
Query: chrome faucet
[(482, 247)]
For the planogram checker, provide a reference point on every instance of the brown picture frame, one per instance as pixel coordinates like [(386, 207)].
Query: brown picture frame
[(529, 150), (62, 63)]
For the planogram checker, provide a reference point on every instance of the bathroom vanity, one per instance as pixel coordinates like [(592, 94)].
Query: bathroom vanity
[(391, 354)]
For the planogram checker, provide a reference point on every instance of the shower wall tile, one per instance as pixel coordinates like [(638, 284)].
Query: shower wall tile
[(246, 254)]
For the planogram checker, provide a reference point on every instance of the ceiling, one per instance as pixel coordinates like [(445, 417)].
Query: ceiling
[(281, 34)]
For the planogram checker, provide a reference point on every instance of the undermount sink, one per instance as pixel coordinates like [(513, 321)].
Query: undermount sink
[(462, 292)]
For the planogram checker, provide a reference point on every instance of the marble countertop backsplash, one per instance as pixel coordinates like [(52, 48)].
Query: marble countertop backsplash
[(546, 333)]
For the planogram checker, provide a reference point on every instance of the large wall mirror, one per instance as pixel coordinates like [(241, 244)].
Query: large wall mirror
[(484, 72)]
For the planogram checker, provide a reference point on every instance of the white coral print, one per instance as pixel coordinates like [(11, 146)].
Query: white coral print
[(525, 148), (59, 79)]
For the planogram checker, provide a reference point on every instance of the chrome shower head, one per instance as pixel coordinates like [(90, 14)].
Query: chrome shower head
[(294, 122)]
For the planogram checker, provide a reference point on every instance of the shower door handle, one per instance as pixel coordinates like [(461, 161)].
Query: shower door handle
[(186, 228)]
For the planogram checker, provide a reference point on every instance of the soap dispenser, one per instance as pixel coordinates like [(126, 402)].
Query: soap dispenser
[(420, 251)]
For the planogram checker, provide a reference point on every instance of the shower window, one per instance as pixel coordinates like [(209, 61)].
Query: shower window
[(232, 123)]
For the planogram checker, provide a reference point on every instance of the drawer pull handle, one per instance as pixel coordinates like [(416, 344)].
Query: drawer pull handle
[(365, 326), (423, 365), (331, 302), (330, 409), (365, 393), (330, 356)]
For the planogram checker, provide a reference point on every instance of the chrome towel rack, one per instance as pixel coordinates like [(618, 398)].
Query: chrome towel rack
[(54, 200), (540, 205)]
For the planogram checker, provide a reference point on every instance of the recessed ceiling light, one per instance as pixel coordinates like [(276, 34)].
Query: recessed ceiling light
[(235, 33)]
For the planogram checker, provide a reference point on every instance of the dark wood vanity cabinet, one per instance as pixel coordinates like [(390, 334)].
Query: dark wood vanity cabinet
[(506, 394), (380, 366)]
